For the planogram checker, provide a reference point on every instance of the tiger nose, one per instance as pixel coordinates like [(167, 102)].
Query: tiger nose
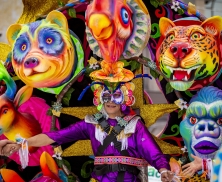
[(180, 50), (31, 62)]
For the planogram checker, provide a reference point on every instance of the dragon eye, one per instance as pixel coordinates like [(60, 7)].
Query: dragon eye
[(23, 48), (125, 16), (196, 36), (49, 40), (219, 121), (193, 120), (170, 37)]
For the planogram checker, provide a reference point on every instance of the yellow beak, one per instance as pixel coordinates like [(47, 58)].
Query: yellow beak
[(100, 26)]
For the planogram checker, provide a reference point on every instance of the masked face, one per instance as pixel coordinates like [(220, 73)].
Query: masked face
[(117, 97)]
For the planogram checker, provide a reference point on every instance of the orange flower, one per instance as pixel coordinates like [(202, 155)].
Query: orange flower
[(113, 72)]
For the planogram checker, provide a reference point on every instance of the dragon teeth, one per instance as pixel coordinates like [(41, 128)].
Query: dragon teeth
[(174, 78)]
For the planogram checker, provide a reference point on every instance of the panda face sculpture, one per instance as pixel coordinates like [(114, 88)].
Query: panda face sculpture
[(201, 128), (43, 53)]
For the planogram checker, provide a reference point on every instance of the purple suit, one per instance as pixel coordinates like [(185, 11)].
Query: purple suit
[(140, 145)]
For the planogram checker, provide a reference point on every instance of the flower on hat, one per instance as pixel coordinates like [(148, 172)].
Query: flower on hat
[(112, 72)]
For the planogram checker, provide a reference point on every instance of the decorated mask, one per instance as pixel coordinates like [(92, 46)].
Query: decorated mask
[(201, 128), (117, 28), (189, 52), (45, 53), (122, 94), (117, 97)]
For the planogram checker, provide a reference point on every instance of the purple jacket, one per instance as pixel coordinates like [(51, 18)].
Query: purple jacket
[(140, 145)]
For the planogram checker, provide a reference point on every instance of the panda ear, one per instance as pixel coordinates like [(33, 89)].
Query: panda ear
[(165, 25), (56, 17), (12, 33), (213, 25)]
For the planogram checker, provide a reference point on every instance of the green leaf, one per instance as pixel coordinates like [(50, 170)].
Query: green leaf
[(155, 3), (126, 63), (169, 89), (181, 113), (160, 78), (71, 178), (72, 12), (88, 70), (67, 96), (67, 164), (154, 74), (49, 112), (60, 3), (188, 93), (180, 11), (58, 162), (166, 1), (134, 65)]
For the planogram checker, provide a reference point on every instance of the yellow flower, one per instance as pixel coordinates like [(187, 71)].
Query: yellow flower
[(92, 61)]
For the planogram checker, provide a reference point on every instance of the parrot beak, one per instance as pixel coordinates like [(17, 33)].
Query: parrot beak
[(100, 25)]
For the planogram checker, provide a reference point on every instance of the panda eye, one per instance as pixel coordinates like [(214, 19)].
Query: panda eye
[(193, 120), (49, 40), (23, 47), (219, 121)]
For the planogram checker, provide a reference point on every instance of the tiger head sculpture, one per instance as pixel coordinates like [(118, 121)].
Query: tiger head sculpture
[(189, 52)]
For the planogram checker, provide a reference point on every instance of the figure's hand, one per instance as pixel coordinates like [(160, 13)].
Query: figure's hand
[(9, 149), (166, 175), (3, 143), (191, 168)]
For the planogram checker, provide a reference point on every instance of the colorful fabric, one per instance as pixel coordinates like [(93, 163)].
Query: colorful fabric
[(140, 144), (120, 160)]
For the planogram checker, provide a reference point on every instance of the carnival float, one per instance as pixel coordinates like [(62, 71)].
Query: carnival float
[(66, 59)]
